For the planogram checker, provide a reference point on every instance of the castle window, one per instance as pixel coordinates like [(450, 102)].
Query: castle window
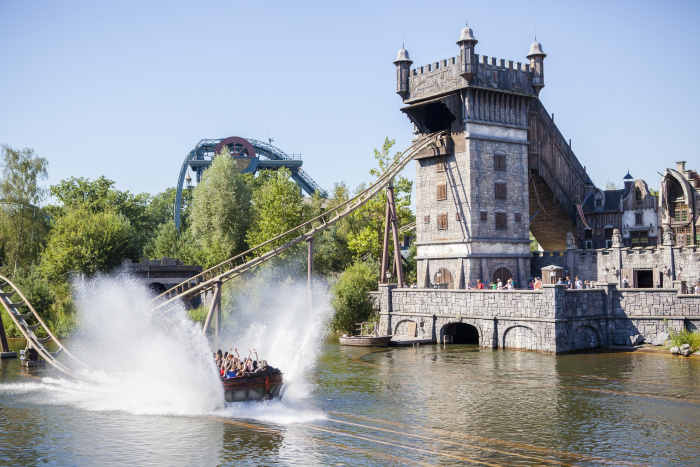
[(458, 217), (680, 213), (501, 220), (608, 238), (637, 194), (599, 199), (518, 217), (483, 215), (500, 190), (440, 164), (499, 161), (638, 218), (588, 234), (426, 219), (442, 221), (639, 238), (441, 191)]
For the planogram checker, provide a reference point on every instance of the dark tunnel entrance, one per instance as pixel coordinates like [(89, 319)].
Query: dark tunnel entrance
[(460, 333), (437, 116)]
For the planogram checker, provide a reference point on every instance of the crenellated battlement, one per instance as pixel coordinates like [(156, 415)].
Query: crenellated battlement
[(491, 73)]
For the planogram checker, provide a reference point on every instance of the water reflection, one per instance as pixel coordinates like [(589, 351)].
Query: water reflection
[(423, 405)]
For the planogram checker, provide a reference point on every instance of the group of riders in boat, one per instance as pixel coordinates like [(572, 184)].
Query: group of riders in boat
[(248, 378), (232, 367)]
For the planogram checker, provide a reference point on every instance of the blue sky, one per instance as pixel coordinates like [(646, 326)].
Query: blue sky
[(126, 89)]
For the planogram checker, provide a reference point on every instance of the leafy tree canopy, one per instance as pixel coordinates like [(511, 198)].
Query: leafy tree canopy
[(86, 242), (277, 207), (367, 232), (351, 301)]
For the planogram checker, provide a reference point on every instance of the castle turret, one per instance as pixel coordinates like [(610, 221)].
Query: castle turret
[(536, 57), (466, 45), (403, 68), (629, 181)]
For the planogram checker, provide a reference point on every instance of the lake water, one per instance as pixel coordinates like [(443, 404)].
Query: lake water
[(427, 405)]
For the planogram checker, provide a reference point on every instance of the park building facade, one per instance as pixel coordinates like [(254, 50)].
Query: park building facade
[(503, 170)]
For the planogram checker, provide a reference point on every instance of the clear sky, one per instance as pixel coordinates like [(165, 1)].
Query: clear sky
[(127, 88)]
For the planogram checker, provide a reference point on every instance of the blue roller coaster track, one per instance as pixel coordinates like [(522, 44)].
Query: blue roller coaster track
[(266, 156)]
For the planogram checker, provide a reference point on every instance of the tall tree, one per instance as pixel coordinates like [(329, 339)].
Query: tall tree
[(367, 231), (24, 225), (277, 207), (220, 211)]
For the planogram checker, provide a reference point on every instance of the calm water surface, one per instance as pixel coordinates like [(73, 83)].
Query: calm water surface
[(431, 405)]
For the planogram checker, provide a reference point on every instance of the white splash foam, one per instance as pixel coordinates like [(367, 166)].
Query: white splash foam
[(147, 364)]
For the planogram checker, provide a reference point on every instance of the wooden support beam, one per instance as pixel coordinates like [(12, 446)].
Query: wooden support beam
[(395, 231), (385, 247)]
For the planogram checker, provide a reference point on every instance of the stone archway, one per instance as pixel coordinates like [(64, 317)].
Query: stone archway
[(406, 328), (521, 338), (460, 333), (585, 337)]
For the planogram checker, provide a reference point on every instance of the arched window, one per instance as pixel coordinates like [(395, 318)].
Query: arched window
[(443, 279)]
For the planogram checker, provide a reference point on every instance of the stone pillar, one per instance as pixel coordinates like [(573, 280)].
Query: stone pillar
[(385, 307), (609, 329)]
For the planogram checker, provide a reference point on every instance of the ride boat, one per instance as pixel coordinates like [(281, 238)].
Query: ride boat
[(264, 383), (366, 338)]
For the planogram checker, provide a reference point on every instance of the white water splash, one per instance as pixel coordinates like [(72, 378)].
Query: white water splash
[(153, 364)]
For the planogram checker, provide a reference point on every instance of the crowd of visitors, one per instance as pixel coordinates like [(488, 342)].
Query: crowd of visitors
[(231, 366)]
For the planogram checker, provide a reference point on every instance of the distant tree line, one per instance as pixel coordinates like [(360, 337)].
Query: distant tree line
[(91, 227)]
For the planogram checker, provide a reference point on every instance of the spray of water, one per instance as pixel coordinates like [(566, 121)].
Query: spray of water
[(162, 364)]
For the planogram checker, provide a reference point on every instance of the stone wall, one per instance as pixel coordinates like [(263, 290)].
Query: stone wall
[(552, 320)]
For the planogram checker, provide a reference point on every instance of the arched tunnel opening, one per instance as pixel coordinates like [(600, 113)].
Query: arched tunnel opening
[(461, 333), (157, 288)]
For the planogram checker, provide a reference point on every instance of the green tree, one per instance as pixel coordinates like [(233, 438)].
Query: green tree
[(220, 211), (277, 207), (86, 242), (24, 226), (169, 242), (331, 252), (611, 185), (161, 208), (367, 223), (351, 301), (100, 196)]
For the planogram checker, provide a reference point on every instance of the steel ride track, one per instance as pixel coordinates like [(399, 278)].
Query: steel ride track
[(21, 320), (233, 267), (220, 273)]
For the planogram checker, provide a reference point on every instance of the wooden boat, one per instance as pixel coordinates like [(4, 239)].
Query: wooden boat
[(263, 384), (365, 341), (366, 338)]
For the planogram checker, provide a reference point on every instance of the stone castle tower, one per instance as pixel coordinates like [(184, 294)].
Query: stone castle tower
[(473, 204)]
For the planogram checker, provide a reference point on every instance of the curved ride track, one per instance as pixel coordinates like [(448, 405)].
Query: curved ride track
[(8, 290), (207, 280), (222, 272)]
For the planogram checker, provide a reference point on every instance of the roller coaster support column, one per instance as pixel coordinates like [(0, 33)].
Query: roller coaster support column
[(214, 309), (3, 343), (395, 231), (310, 245), (385, 246)]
